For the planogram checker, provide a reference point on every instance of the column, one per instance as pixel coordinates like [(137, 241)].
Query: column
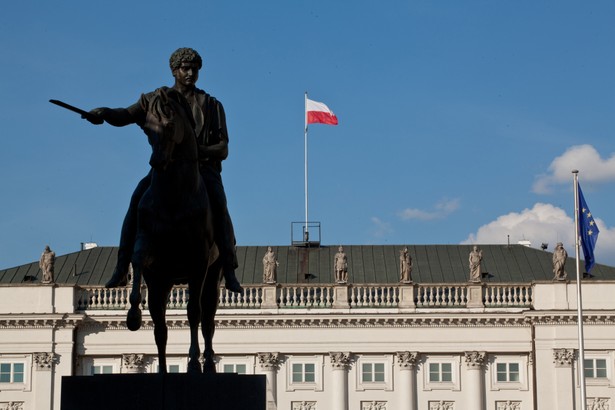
[(564, 379), (339, 380), (406, 390), (133, 363), (475, 395), (43, 383), (269, 363)]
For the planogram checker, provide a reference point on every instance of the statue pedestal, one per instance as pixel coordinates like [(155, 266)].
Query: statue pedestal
[(173, 391)]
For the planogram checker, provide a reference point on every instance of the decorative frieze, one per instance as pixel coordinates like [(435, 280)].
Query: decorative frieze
[(12, 405), (474, 360), (133, 363), (339, 360), (373, 405), (44, 361), (442, 405), (269, 361), (563, 357), (303, 405), (598, 403), (406, 360), (508, 405)]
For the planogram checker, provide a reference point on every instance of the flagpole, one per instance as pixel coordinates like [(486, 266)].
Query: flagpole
[(581, 361), (305, 131)]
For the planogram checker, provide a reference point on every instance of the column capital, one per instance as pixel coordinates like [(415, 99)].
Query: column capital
[(474, 360), (563, 357), (269, 360), (406, 360), (133, 363), (339, 360), (44, 360)]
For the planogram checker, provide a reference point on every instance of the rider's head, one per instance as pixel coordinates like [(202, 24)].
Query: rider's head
[(185, 55)]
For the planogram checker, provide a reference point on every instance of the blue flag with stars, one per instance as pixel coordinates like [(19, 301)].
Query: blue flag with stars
[(588, 231)]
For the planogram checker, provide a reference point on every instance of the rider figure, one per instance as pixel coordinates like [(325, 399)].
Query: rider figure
[(212, 137)]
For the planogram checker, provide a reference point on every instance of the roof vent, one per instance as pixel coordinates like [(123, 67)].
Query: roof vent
[(525, 243), (88, 245)]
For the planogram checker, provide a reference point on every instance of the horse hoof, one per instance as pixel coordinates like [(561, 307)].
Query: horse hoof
[(194, 368), (133, 319), (209, 366)]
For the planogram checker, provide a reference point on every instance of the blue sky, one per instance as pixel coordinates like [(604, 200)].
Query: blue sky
[(460, 122)]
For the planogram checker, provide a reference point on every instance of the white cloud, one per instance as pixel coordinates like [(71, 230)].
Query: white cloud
[(441, 210), (544, 223), (380, 228), (584, 158)]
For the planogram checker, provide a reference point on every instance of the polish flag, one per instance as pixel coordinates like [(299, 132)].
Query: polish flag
[(318, 112)]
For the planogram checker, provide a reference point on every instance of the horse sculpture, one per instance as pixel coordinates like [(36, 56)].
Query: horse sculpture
[(174, 243)]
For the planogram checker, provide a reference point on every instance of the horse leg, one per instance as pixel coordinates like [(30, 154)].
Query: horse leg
[(209, 303), (157, 301), (133, 318), (194, 318)]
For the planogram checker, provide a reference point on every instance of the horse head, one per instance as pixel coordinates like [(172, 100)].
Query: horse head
[(168, 122)]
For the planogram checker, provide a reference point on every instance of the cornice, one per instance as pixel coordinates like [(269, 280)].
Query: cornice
[(40, 322), (324, 321)]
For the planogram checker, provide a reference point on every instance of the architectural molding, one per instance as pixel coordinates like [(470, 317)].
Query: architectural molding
[(12, 405), (44, 360), (407, 360), (564, 357), (340, 360), (474, 359), (133, 363), (269, 361)]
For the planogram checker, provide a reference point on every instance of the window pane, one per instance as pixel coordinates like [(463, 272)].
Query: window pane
[(379, 372), (447, 372), (297, 372), (5, 373), (434, 372), (240, 369), (228, 368), (366, 372), (309, 377), (173, 368), (107, 369)]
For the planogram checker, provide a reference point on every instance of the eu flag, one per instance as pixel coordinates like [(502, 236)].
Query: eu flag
[(588, 231)]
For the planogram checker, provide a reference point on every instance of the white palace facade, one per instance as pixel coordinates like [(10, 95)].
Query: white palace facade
[(435, 341)]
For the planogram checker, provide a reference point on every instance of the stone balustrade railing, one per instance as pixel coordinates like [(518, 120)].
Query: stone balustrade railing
[(352, 296)]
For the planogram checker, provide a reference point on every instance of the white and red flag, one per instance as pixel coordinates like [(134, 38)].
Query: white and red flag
[(319, 113)]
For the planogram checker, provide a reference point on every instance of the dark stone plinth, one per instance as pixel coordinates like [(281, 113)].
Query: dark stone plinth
[(173, 391)]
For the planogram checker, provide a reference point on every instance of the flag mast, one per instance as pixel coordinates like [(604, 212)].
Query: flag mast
[(581, 361), (305, 132)]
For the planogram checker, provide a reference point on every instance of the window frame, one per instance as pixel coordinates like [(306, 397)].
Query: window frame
[(386, 361), (608, 357), (316, 361), (507, 360), (89, 363), (455, 363), (12, 360)]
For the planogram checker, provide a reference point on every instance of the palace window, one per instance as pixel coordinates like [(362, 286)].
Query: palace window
[(12, 372), (239, 368), (304, 373), (102, 369), (374, 372), (440, 372), (507, 372), (595, 368)]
